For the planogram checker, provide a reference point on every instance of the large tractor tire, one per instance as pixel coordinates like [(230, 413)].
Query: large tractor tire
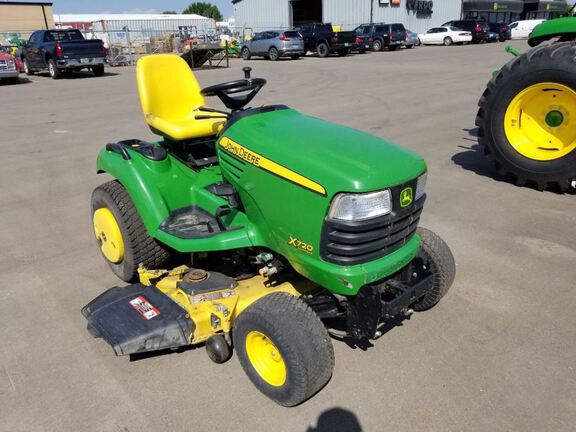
[(441, 261), (527, 118), (121, 234), (284, 348)]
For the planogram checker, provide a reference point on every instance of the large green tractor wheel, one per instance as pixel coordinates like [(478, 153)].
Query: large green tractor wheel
[(284, 348), (121, 234), (527, 118)]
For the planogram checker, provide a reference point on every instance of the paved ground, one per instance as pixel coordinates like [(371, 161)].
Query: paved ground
[(496, 355)]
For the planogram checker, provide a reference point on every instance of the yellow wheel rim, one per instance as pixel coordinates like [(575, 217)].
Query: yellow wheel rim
[(538, 121), (108, 235), (265, 358)]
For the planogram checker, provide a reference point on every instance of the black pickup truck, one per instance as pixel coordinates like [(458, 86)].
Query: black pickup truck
[(323, 40), (63, 51)]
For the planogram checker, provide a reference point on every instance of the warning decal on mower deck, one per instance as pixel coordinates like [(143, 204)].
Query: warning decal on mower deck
[(144, 308)]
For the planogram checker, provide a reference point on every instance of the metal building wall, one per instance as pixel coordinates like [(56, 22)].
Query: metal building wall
[(350, 13), (262, 14)]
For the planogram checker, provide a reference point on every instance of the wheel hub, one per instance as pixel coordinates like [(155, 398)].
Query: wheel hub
[(266, 358), (108, 235), (537, 122)]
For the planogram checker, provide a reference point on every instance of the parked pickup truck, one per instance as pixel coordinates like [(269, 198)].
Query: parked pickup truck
[(380, 35), (323, 40), (8, 68), (63, 51)]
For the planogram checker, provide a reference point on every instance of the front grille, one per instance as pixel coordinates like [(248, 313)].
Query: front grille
[(7, 66), (350, 243)]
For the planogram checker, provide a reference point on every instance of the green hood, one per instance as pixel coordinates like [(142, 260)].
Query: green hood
[(339, 158)]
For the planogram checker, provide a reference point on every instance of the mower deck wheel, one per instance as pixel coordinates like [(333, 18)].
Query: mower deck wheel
[(284, 348), (441, 261), (121, 234)]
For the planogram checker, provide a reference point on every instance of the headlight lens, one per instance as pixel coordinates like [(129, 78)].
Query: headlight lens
[(420, 186), (354, 207)]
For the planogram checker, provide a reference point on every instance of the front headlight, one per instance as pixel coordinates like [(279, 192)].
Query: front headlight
[(355, 207), (420, 186)]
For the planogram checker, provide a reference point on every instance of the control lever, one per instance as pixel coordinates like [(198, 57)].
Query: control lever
[(222, 211)]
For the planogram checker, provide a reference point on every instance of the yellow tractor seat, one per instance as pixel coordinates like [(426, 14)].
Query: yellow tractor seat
[(170, 97)]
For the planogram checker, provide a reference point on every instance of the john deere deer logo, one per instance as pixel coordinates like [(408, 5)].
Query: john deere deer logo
[(406, 197)]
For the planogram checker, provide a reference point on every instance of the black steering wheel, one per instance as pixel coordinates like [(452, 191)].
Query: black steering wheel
[(224, 90)]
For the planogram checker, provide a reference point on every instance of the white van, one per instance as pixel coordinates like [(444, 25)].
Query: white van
[(522, 29)]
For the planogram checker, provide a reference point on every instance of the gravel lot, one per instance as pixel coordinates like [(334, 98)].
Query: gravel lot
[(496, 355)]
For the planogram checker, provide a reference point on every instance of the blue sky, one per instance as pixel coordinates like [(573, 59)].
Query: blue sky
[(133, 6)]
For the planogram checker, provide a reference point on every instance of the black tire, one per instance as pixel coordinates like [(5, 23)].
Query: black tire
[(98, 70), (441, 261), (53, 70), (322, 49), (295, 56), (301, 339), (550, 63), (139, 247), (27, 69), (273, 54), (362, 51), (377, 45), (448, 41), (343, 52), (245, 53)]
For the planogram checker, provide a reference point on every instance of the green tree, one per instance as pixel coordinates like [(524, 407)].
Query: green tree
[(169, 13), (205, 9)]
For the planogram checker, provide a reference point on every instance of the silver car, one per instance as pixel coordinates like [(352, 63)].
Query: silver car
[(274, 44)]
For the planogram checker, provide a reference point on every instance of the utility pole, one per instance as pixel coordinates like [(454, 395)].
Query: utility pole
[(371, 11)]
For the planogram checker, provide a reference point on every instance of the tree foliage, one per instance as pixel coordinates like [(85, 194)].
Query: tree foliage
[(169, 13), (207, 10)]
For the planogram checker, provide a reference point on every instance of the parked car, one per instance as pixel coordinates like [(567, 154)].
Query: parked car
[(8, 69), (380, 35), (411, 39), (273, 44), (522, 29), (492, 37), (323, 40), (63, 51), (502, 30), (445, 36), (478, 28)]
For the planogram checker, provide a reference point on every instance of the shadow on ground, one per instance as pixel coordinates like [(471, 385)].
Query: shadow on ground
[(336, 420)]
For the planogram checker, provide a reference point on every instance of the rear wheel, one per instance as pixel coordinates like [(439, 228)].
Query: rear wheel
[(436, 252), (98, 70), (53, 69), (121, 234), (377, 45), (526, 114), (448, 41), (322, 49), (284, 348), (273, 54), (245, 54), (27, 69)]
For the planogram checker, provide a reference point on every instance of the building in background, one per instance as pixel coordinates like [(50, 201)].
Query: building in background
[(19, 19), (417, 15), (508, 11)]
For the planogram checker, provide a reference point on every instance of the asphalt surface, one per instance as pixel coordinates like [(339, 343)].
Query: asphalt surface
[(497, 354)]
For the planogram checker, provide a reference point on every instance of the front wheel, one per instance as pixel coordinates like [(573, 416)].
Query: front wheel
[(273, 54), (98, 70), (284, 348), (322, 50), (245, 53), (27, 69), (377, 45), (448, 41), (121, 234), (53, 69), (440, 260)]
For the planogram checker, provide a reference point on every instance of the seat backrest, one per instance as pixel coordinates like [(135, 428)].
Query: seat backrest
[(167, 86)]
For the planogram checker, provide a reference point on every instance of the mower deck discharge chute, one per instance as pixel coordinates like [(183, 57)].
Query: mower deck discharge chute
[(289, 223)]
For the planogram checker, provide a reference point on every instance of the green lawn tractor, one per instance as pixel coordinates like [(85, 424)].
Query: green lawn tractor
[(291, 227), (527, 115)]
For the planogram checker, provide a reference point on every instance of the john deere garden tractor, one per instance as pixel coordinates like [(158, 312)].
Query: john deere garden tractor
[(527, 114), (289, 227)]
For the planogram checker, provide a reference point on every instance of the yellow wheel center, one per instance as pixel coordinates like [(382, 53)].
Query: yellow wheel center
[(265, 358), (108, 235), (538, 121)]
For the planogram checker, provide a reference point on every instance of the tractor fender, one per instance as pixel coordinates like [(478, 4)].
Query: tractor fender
[(143, 189), (565, 28)]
